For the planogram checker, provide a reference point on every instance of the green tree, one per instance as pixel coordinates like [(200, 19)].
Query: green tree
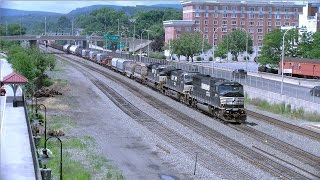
[(12, 30), (188, 45), (272, 46), (235, 43), (315, 46)]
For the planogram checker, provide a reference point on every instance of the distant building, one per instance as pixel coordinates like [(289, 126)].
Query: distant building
[(310, 19), (221, 16)]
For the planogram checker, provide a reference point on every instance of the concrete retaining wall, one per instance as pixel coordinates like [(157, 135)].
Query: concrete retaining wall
[(272, 97)]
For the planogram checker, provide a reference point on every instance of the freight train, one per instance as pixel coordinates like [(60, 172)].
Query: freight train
[(216, 96)]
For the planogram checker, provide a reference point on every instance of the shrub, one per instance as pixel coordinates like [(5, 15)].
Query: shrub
[(157, 56), (47, 82)]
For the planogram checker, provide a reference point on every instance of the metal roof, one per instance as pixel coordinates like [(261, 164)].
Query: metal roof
[(14, 78), (301, 60)]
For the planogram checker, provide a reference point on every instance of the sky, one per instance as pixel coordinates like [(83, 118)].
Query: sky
[(67, 6)]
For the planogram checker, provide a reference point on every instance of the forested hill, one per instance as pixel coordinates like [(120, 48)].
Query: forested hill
[(14, 12), (129, 10)]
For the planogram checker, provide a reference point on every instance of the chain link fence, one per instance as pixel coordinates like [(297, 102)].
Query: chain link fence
[(289, 90)]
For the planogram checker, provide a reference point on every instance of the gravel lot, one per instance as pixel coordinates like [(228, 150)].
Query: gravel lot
[(140, 154)]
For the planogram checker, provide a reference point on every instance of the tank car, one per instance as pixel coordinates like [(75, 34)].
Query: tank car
[(85, 53), (75, 49), (219, 97), (66, 48), (92, 55)]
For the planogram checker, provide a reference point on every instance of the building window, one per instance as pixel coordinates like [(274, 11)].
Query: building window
[(197, 22), (278, 16), (260, 30), (224, 22), (233, 22), (215, 36), (198, 7), (251, 8), (206, 22), (215, 22), (206, 36), (260, 16), (260, 37), (224, 8), (269, 23), (259, 44), (206, 7), (233, 8), (242, 23), (233, 15), (287, 16), (260, 23), (251, 30), (260, 8), (278, 23), (270, 9), (215, 7), (243, 15), (233, 29), (286, 10), (278, 9), (188, 29), (216, 15), (293, 24), (296, 17), (295, 9), (224, 15), (197, 15), (251, 16), (223, 36), (196, 29), (206, 15), (269, 16), (286, 24), (251, 23), (243, 8), (224, 29), (206, 29), (269, 30)]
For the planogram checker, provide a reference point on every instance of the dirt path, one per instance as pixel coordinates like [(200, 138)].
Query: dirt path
[(134, 154)]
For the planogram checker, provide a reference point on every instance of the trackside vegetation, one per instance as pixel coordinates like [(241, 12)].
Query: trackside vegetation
[(31, 63), (284, 109)]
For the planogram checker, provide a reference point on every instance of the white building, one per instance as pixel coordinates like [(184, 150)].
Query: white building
[(310, 18)]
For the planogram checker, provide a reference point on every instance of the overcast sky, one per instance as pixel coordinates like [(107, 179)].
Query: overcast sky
[(67, 6)]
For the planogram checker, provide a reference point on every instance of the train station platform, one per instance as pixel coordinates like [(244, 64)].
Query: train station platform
[(17, 161)]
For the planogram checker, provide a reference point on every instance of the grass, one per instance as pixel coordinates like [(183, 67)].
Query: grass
[(284, 109), (63, 123)]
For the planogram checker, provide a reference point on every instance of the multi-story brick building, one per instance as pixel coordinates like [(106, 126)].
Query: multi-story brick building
[(217, 18)]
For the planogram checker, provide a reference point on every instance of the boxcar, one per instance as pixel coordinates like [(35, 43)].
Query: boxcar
[(301, 67)]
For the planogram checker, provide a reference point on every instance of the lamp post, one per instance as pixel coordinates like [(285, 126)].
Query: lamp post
[(282, 57), (45, 157), (120, 40), (45, 25), (134, 31), (213, 46), (202, 41), (45, 119)]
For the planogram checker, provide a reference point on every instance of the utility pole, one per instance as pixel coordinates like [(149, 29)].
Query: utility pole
[(20, 26), (45, 25), (118, 27), (72, 26), (6, 28)]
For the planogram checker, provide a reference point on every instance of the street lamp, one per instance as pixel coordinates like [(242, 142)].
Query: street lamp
[(141, 42), (121, 38), (282, 63), (214, 32), (134, 31), (202, 41), (45, 157), (45, 119)]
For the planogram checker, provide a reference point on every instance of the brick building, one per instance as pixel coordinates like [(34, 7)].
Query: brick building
[(219, 17)]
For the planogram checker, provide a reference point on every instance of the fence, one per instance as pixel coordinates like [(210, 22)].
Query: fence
[(258, 82)]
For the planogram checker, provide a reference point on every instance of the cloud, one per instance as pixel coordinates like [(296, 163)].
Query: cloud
[(67, 6)]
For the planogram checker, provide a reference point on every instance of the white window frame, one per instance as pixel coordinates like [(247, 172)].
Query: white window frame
[(197, 22), (278, 16), (251, 23), (233, 22), (224, 22), (197, 15), (278, 23), (260, 30), (215, 22), (225, 15), (242, 23), (205, 22), (251, 16), (251, 8)]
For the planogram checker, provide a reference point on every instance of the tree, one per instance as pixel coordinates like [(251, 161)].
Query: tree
[(315, 46), (157, 44), (12, 30), (188, 45), (63, 23), (272, 46), (235, 43)]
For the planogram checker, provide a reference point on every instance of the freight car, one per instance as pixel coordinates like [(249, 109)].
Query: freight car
[(301, 67)]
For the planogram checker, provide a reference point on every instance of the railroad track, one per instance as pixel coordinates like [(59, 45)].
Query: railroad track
[(305, 157), (290, 127), (248, 154), (206, 158)]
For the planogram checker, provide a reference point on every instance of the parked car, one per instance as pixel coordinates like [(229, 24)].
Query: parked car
[(315, 91), (239, 73)]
